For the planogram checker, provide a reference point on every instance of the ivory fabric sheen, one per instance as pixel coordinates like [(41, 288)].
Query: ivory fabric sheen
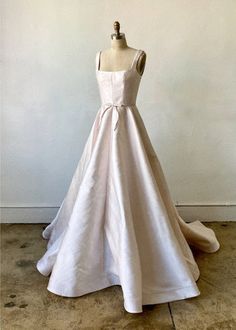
[(117, 224)]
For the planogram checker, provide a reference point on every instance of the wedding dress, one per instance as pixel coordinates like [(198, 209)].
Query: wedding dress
[(117, 224)]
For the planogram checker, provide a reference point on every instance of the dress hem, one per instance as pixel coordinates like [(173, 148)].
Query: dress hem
[(129, 304)]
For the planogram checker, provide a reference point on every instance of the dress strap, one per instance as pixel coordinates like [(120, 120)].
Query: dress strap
[(97, 59), (136, 57)]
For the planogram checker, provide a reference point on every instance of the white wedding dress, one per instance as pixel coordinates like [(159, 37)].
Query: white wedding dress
[(117, 224)]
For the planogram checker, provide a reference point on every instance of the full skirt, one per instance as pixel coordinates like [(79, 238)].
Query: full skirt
[(118, 225)]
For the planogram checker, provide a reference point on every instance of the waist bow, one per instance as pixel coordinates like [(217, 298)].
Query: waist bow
[(117, 107)]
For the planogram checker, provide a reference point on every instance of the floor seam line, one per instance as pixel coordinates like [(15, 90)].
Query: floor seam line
[(172, 318)]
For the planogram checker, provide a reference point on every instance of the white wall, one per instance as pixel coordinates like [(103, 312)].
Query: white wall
[(187, 97)]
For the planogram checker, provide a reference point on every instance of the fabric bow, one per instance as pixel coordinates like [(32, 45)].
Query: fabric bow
[(111, 106)]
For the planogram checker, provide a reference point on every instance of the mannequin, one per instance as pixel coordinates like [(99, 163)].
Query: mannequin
[(117, 224), (119, 57)]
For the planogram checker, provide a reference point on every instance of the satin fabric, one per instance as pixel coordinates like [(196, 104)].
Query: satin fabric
[(117, 224)]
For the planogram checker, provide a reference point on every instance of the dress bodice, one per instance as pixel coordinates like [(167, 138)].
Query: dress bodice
[(118, 87)]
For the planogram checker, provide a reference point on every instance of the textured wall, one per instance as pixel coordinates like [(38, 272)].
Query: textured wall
[(187, 94)]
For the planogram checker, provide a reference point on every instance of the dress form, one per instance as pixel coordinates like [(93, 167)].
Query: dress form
[(117, 224), (120, 55)]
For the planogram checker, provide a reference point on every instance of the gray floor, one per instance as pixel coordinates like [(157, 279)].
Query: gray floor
[(27, 304)]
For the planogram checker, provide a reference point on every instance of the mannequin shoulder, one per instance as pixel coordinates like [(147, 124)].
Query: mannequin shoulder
[(142, 57), (141, 62), (105, 52)]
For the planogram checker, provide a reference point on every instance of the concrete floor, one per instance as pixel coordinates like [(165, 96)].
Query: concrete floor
[(27, 304)]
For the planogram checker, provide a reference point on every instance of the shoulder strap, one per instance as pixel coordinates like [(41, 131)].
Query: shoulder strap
[(97, 59), (136, 57)]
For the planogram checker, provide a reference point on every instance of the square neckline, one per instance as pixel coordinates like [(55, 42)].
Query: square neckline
[(130, 69)]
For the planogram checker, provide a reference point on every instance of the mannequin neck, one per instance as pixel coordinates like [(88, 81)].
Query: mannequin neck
[(117, 44)]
